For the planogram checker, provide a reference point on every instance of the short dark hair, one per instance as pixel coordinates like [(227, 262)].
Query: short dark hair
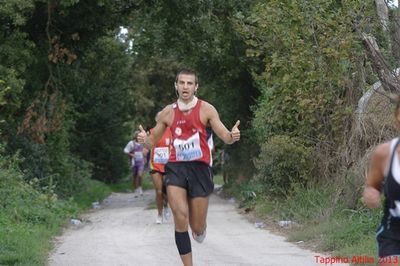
[(187, 71)]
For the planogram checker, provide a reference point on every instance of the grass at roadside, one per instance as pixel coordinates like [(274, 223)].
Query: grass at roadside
[(317, 223), (26, 244), (95, 192), (218, 180), (29, 220)]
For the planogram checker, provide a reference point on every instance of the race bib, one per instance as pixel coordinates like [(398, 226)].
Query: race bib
[(138, 155), (188, 150), (161, 155)]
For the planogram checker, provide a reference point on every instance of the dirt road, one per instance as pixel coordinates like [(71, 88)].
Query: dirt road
[(123, 232)]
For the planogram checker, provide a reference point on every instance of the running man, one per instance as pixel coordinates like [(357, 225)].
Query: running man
[(188, 173), (158, 158), (137, 154), (384, 176)]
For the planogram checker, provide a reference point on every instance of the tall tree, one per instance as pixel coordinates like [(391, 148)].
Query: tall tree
[(310, 70), (46, 51), (202, 35)]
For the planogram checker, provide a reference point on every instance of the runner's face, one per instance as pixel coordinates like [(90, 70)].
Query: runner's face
[(186, 87)]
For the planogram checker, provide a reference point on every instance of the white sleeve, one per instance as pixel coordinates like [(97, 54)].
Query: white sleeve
[(128, 147)]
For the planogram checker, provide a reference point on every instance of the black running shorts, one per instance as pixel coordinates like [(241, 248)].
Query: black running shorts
[(388, 241), (195, 177)]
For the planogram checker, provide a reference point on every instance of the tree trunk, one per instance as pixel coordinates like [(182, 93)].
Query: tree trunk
[(389, 79), (395, 34), (383, 14)]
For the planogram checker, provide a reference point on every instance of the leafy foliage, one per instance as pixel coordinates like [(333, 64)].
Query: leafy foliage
[(283, 161), (51, 54), (103, 100), (308, 68), (307, 60), (72, 89), (200, 35), (24, 213)]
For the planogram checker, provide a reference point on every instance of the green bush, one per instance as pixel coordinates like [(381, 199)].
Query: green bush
[(28, 218), (283, 161), (51, 167)]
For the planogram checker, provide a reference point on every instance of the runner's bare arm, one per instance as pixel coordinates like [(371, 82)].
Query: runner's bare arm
[(375, 175), (211, 116), (164, 120)]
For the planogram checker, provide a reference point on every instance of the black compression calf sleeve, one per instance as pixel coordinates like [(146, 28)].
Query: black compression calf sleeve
[(182, 241)]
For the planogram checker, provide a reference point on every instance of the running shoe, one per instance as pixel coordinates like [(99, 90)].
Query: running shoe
[(200, 238), (140, 191), (159, 219)]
